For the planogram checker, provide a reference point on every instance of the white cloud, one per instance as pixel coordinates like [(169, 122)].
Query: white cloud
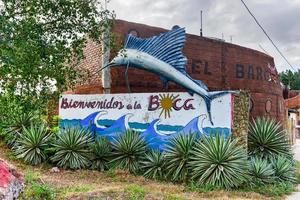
[(278, 17)]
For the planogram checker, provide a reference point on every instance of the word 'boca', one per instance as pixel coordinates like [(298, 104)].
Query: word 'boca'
[(177, 103)]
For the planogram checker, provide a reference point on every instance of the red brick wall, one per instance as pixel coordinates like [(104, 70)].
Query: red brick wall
[(218, 64), (90, 65)]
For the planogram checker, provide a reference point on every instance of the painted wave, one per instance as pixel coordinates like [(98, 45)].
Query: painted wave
[(156, 135)]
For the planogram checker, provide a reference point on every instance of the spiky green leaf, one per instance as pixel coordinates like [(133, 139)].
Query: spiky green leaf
[(284, 169), (219, 162), (178, 155), (101, 154), (261, 171), (31, 145), (267, 138), (72, 148), (154, 165), (128, 150)]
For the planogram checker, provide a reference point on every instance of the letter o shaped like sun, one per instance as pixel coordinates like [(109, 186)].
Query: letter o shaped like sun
[(166, 104)]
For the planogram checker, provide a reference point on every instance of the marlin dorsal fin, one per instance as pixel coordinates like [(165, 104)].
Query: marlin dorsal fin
[(166, 47)]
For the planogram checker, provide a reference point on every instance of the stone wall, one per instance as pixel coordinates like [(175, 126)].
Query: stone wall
[(241, 117)]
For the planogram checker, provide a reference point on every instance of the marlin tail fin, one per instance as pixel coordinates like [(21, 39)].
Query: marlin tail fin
[(212, 96)]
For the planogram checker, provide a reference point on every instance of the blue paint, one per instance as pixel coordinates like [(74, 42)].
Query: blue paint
[(192, 127), (169, 128), (150, 132), (153, 138), (165, 47), (89, 120), (118, 126)]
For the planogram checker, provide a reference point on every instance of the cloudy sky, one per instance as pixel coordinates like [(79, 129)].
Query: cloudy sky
[(280, 18)]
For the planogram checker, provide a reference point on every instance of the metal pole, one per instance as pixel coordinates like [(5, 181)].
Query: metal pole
[(105, 74), (201, 34)]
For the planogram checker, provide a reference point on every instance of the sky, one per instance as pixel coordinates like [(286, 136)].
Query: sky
[(225, 19)]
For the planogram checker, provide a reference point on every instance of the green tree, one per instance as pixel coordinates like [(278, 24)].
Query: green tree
[(291, 79), (41, 43)]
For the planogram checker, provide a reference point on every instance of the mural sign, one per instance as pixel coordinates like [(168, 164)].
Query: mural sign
[(157, 116)]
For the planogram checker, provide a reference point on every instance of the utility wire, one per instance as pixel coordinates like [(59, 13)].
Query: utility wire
[(268, 36)]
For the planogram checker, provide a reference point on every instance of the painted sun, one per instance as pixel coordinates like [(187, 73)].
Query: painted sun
[(166, 104)]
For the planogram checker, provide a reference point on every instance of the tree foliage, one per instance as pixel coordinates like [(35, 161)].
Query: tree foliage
[(291, 79), (41, 42)]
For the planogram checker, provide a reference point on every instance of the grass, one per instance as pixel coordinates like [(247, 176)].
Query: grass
[(174, 197), (31, 177), (205, 188), (74, 190), (272, 190), (111, 173), (11, 156), (135, 192), (39, 191), (36, 189)]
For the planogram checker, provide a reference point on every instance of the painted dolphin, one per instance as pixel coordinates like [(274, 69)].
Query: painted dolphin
[(162, 55)]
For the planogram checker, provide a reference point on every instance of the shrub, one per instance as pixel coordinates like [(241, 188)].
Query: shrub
[(284, 169), (72, 148), (219, 162), (154, 165), (128, 150), (32, 144), (266, 138), (13, 127), (101, 153), (177, 156), (54, 124), (260, 171)]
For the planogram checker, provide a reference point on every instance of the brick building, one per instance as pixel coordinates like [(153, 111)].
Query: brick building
[(220, 65)]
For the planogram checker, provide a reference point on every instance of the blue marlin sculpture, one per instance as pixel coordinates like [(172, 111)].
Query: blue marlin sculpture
[(162, 55)]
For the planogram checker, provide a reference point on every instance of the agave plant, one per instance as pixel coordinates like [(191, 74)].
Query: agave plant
[(101, 153), (284, 169), (261, 171), (32, 144), (13, 128), (154, 165), (266, 138), (219, 162), (177, 156), (72, 148), (128, 150)]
